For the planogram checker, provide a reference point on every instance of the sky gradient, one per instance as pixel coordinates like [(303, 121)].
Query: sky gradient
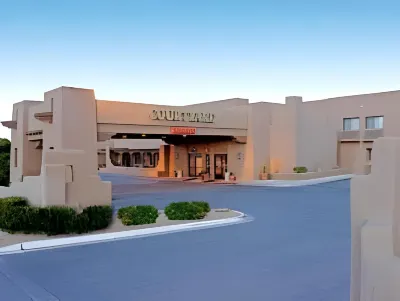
[(181, 52)]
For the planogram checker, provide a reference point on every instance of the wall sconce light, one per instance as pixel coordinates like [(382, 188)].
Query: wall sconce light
[(176, 155)]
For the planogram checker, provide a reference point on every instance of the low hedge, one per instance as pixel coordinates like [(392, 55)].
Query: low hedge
[(204, 205), (138, 215), (300, 169), (17, 216), (187, 210)]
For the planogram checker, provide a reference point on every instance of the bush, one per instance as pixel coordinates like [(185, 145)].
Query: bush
[(17, 216), (6, 204), (121, 211), (300, 169), (187, 210), (99, 216), (138, 215), (13, 201), (204, 205)]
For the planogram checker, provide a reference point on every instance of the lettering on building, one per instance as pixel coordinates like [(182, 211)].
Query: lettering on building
[(171, 115)]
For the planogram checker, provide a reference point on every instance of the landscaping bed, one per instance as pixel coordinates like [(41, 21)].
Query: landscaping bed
[(21, 222), (7, 239)]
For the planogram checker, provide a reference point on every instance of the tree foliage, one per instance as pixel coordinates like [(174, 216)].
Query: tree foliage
[(5, 148)]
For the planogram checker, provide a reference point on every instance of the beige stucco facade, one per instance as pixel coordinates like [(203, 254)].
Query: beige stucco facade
[(375, 226), (59, 144)]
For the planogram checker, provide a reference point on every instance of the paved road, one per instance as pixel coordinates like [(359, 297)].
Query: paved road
[(297, 248)]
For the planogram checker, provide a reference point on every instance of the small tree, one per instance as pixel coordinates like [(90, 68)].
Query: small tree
[(5, 148)]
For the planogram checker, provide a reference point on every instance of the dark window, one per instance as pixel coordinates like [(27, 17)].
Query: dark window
[(369, 154), (126, 159), (136, 158)]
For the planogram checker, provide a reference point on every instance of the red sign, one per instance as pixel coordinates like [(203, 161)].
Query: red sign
[(182, 131)]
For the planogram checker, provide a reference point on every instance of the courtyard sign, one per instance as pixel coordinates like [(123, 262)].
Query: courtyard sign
[(172, 115)]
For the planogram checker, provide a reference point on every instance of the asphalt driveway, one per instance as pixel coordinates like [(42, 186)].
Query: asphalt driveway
[(297, 248)]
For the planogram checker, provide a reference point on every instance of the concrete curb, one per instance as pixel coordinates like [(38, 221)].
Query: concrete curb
[(295, 183), (103, 237)]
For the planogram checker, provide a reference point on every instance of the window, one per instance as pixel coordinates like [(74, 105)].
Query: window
[(136, 159), (147, 160), (369, 154), (374, 122), (16, 157), (156, 157), (126, 159), (351, 124)]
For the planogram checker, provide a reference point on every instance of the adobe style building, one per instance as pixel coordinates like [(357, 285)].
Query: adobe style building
[(59, 144)]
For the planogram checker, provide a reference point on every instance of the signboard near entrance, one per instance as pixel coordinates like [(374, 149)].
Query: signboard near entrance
[(182, 131)]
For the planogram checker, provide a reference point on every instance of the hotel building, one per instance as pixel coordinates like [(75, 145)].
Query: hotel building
[(60, 143)]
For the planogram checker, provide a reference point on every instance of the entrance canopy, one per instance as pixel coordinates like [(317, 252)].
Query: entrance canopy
[(176, 139)]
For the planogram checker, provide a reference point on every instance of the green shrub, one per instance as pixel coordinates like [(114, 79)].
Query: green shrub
[(82, 222), (17, 216), (185, 211), (60, 220), (138, 215), (99, 217), (300, 169), (204, 205), (13, 201), (121, 211), (6, 203)]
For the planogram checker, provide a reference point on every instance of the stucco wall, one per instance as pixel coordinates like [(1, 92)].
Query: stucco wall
[(125, 113), (375, 262), (283, 142), (30, 188), (349, 152), (316, 140), (258, 143)]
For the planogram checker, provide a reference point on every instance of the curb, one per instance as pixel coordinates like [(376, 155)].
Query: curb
[(103, 237), (295, 183)]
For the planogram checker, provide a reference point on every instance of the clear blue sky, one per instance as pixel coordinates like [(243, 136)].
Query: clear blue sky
[(180, 52)]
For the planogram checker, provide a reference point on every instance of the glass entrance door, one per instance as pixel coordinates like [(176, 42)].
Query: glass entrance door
[(220, 166), (195, 164)]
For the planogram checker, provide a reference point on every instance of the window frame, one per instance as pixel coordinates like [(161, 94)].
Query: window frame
[(150, 160), (350, 118), (156, 155), (136, 155), (376, 116)]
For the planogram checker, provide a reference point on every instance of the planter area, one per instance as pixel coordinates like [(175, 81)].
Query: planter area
[(128, 218), (310, 175)]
